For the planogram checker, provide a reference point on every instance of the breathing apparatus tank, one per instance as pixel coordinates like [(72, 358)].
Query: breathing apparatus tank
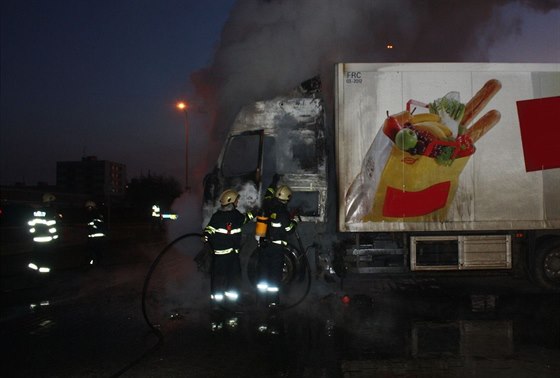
[(261, 226)]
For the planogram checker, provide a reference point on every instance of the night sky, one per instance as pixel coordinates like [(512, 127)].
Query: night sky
[(101, 78)]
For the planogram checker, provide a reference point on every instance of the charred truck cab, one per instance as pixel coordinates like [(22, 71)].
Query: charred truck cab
[(424, 168), (285, 136)]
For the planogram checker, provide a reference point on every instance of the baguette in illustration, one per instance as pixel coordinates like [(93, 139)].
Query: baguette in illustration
[(483, 125), (479, 101)]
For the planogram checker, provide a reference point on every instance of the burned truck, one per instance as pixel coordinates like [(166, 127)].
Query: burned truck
[(413, 167)]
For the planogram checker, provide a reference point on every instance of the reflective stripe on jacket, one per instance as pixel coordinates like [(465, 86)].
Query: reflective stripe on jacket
[(224, 229), (280, 223)]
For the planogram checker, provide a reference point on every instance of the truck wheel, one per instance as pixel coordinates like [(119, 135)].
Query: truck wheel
[(547, 265), (291, 268), (289, 272)]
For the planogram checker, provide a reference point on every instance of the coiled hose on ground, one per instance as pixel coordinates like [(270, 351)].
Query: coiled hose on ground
[(146, 284)]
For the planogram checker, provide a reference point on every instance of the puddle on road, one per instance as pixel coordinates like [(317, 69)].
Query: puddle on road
[(392, 335), (477, 335)]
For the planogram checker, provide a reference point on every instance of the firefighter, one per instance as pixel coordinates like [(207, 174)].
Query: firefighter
[(280, 225), (43, 228), (96, 233), (223, 232), (157, 219)]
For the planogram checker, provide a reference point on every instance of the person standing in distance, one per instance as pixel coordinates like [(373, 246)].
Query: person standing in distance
[(43, 227), (96, 234)]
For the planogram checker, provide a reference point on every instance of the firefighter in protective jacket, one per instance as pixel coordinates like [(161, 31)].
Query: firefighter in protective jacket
[(96, 233), (280, 225), (43, 228), (223, 232)]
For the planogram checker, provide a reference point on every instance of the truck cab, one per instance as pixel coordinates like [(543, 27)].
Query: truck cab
[(285, 136)]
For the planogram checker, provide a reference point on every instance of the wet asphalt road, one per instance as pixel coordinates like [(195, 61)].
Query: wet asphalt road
[(90, 323)]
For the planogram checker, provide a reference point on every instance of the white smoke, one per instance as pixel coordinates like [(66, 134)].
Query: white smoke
[(269, 46)]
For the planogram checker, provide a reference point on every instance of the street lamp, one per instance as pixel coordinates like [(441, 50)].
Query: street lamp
[(182, 105)]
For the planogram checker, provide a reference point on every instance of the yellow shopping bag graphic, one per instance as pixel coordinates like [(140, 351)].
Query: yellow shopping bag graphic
[(415, 188), (411, 171)]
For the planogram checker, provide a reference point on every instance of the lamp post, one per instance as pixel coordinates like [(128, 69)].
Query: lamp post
[(182, 105)]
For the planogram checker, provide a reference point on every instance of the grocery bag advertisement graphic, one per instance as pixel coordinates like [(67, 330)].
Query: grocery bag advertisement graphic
[(422, 151)]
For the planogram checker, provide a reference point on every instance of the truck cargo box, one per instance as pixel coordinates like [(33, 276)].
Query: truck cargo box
[(509, 180)]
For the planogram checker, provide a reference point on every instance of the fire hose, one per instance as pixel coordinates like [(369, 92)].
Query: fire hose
[(302, 257), (157, 331), (154, 329)]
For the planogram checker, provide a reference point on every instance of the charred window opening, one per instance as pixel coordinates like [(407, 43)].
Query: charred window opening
[(241, 156), (305, 151), (305, 203), (302, 153), (269, 162)]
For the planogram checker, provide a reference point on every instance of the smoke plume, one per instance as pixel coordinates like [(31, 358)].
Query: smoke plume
[(269, 46)]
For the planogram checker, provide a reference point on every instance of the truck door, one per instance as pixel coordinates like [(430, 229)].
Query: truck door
[(240, 167)]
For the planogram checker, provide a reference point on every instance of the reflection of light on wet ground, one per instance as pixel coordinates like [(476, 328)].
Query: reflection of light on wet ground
[(176, 316), (32, 306), (43, 328), (464, 338), (479, 335), (483, 303), (216, 326), (457, 348), (16, 311), (232, 322)]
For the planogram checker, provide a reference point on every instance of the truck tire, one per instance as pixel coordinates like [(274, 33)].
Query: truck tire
[(547, 264), (292, 269)]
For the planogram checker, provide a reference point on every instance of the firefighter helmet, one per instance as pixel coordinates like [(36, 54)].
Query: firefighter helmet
[(228, 196), (48, 197), (91, 204), (283, 193)]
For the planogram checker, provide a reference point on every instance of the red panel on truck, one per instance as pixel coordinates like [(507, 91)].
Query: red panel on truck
[(539, 121), (399, 203)]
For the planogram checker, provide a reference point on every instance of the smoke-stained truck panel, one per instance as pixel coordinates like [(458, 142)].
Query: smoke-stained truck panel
[(382, 187)]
